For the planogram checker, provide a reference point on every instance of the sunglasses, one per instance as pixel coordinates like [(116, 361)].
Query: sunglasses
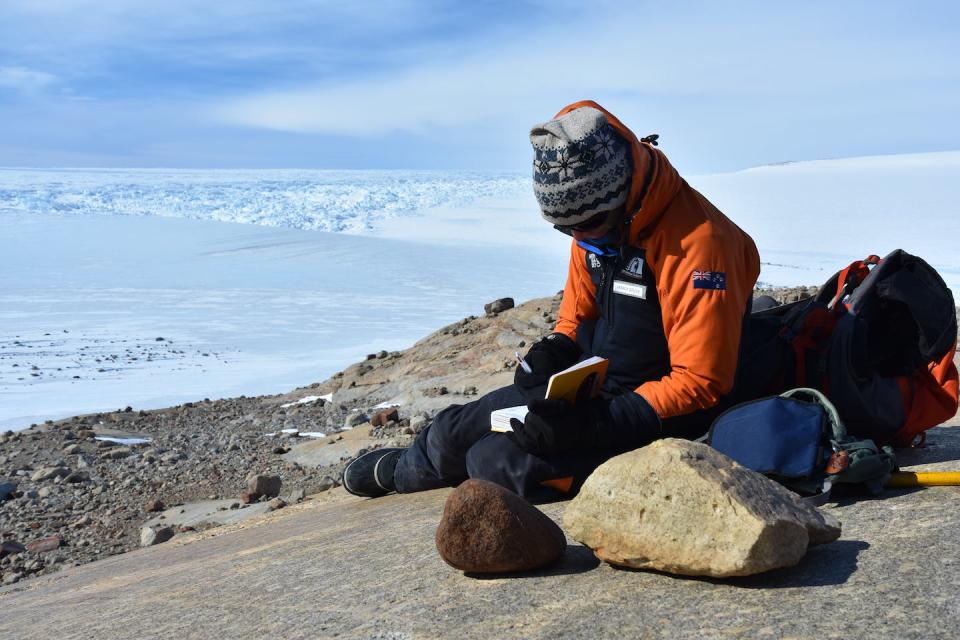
[(587, 225)]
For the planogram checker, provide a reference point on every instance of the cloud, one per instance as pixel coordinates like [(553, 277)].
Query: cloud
[(435, 83), (25, 80), (762, 60)]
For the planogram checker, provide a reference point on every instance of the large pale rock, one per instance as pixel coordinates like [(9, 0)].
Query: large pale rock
[(488, 529), (684, 508)]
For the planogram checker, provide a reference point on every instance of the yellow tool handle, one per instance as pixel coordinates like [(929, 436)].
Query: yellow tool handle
[(924, 479)]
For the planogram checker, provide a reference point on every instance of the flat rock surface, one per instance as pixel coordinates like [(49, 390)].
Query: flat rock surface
[(327, 451), (342, 566), (206, 512)]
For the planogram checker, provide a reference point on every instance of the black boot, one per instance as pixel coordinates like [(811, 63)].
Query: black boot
[(371, 475)]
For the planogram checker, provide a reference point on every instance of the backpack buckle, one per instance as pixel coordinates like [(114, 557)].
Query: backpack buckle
[(839, 461)]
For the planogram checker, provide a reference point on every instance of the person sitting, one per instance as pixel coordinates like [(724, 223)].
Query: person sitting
[(659, 283)]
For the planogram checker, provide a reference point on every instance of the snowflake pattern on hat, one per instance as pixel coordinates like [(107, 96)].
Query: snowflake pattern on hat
[(581, 167)]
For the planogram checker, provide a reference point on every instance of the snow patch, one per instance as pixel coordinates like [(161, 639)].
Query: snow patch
[(127, 441), (308, 400)]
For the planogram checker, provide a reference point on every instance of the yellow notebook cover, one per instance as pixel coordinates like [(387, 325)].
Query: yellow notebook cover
[(581, 381)]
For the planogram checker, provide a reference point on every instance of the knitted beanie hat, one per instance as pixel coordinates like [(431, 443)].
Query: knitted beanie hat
[(581, 167)]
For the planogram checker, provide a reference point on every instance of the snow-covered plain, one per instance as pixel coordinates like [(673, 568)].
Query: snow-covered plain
[(146, 288), (810, 218)]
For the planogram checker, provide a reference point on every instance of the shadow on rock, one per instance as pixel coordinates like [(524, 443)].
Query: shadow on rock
[(828, 564), (576, 559)]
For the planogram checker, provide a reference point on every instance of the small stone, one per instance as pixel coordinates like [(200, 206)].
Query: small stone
[(264, 485), (34, 565), (276, 503), (117, 453), (150, 536), (354, 420), (248, 497), (13, 578), (6, 490), (73, 449), (327, 483), (77, 477), (498, 306), (381, 418), (49, 472), (488, 529), (153, 506), (418, 422), (44, 545), (636, 510), (11, 548), (82, 522), (297, 495), (280, 449)]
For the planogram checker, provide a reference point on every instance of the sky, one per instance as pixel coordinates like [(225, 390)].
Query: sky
[(457, 85)]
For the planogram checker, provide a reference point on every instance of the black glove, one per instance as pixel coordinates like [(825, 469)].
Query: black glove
[(553, 353), (554, 426)]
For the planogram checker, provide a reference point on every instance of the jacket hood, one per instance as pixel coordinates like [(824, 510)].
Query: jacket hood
[(655, 182)]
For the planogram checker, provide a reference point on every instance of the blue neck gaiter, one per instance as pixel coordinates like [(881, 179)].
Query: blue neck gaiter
[(607, 245)]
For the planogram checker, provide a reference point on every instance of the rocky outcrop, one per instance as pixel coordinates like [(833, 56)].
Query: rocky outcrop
[(488, 529), (684, 508)]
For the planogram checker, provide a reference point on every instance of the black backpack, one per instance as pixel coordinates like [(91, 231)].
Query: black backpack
[(878, 340)]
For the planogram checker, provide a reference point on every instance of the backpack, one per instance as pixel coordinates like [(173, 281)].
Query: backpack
[(799, 440), (878, 340)]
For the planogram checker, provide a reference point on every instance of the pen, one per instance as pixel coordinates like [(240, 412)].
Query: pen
[(523, 363)]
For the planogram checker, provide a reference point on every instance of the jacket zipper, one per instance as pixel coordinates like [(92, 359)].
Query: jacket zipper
[(608, 291)]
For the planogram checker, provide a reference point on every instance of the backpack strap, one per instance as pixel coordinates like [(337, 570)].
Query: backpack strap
[(838, 430), (850, 278)]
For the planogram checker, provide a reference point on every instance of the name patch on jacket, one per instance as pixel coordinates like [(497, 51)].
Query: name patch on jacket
[(716, 280), (630, 289)]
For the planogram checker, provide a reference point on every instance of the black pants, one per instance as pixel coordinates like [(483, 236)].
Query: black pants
[(459, 445)]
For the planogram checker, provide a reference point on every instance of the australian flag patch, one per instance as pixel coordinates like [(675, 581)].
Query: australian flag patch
[(716, 280)]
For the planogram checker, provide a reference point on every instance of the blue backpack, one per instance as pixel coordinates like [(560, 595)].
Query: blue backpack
[(798, 439)]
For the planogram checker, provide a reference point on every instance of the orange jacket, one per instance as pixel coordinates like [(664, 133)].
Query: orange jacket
[(681, 232)]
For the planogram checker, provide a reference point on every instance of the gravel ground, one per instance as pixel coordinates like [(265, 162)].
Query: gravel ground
[(67, 498)]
